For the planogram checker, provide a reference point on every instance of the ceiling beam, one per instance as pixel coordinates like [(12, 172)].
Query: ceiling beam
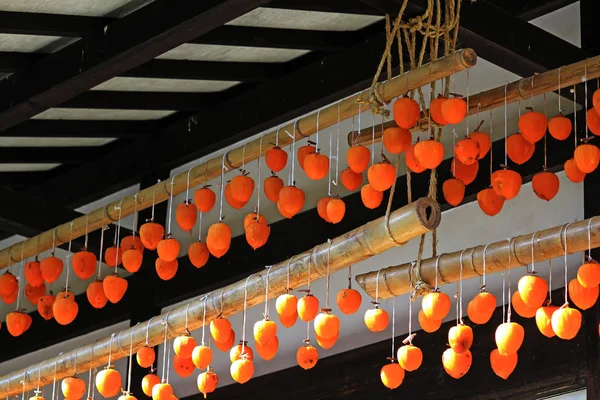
[(62, 128), (531, 9), (331, 6), (205, 70), (15, 61), (124, 46), (143, 100), (23, 179), (45, 155), (24, 23), (299, 39)]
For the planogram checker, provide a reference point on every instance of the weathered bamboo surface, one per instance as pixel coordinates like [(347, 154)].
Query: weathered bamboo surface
[(211, 169), (406, 223), (548, 243), (522, 89)]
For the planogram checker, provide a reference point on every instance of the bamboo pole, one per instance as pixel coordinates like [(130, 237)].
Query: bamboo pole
[(523, 89), (548, 243), (406, 223), (211, 169)]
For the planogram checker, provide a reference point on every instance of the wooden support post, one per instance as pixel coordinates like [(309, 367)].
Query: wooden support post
[(523, 89), (395, 281), (212, 168), (373, 238)]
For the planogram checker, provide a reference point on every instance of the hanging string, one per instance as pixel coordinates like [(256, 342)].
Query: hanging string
[(394, 326), (328, 274), (153, 201), (187, 308), (40, 376), (589, 235), (259, 165), (223, 170), (53, 244), (135, 217), (585, 88), (147, 331), (200, 214), (504, 298), (168, 363), (21, 286), (437, 272), (165, 322), (187, 187), (292, 170), (461, 285), (287, 277), (566, 266), (112, 336), (68, 259), (308, 276), (99, 268), (244, 314), (317, 133), (266, 315), (533, 253), (130, 362), (483, 285), (330, 164), (467, 117), (85, 244), (492, 147), (509, 311), (91, 371), (506, 123), (170, 216), (558, 91), (376, 302), (54, 379), (411, 288), (574, 90), (549, 281), (350, 277), (118, 236), (204, 321), (337, 151)]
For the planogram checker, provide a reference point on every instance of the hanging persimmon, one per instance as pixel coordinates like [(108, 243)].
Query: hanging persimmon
[(518, 149), (532, 126), (84, 264), (182, 366), (481, 308), (545, 185), (429, 153), (582, 297), (489, 202), (370, 197), (587, 157), (322, 208), (460, 338), (205, 198), (308, 307), (350, 179), (286, 305), (593, 121), (466, 151), (573, 172), (218, 239), (316, 166), (151, 233), (242, 370), (166, 270), (148, 383), (376, 319), (73, 388), (264, 331), (114, 287), (132, 242), (429, 325), (145, 357), (396, 140), (456, 365), (132, 260), (596, 100), (183, 345), (381, 176), (533, 290), (336, 209), (560, 127), (348, 300), (33, 294), (406, 112), (483, 140), (543, 320), (509, 337), (168, 249), (95, 294), (50, 267), (207, 382), (202, 356), (411, 161), (358, 158), (288, 321), (327, 343), (276, 159), (17, 323), (503, 365), (220, 329), (566, 322), (33, 274), (454, 191), (65, 308), (113, 256), (410, 357), (44, 306), (435, 110), (10, 298), (241, 187), (327, 325), (198, 254), (588, 274), (307, 356), (303, 152), (466, 173), (257, 233), (162, 391), (291, 201), (228, 344), (436, 305), (272, 187), (267, 352), (392, 375), (454, 110), (8, 284), (506, 183), (186, 214), (109, 382), (520, 307)]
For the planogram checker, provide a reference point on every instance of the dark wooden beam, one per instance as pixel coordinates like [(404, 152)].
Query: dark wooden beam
[(23, 23), (44, 155), (124, 46), (143, 100), (354, 374), (23, 179), (45, 128), (300, 39), (14, 61), (210, 70), (332, 6), (531, 9)]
